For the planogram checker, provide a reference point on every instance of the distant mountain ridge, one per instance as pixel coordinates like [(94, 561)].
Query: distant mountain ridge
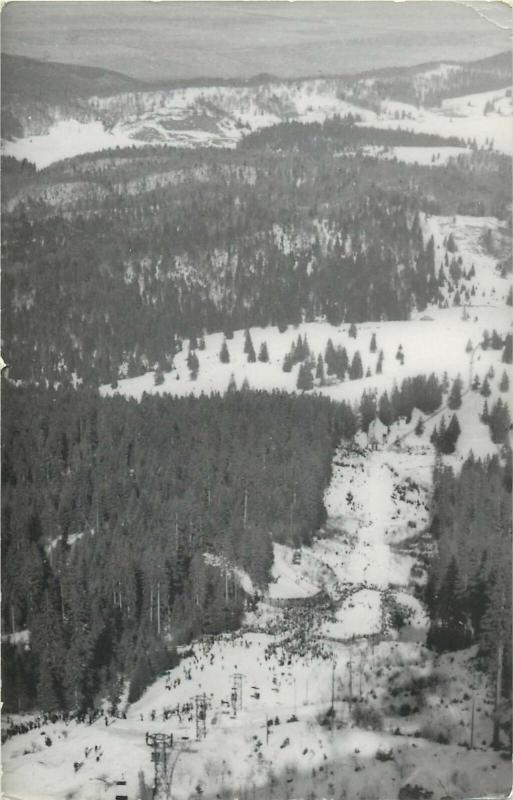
[(121, 111)]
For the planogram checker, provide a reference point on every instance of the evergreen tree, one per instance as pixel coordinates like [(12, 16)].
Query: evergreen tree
[(367, 410), (454, 400), (329, 358), (385, 410), (319, 372), (507, 353), (451, 244), (453, 432), (232, 386), (419, 427), (356, 369), (485, 344), (249, 349), (485, 414), (379, 365), (485, 388), (476, 383), (263, 353), (499, 422), (496, 342), (224, 355), (304, 378), (159, 376), (353, 332), (373, 345), (469, 348), (193, 365), (504, 384), (288, 362)]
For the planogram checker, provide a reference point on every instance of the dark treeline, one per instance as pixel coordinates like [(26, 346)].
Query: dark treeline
[(469, 587), (124, 520), (341, 132), (422, 392)]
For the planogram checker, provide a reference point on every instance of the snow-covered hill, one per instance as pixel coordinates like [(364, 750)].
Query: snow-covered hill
[(221, 115)]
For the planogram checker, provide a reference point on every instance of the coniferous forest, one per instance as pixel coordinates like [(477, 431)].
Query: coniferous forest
[(109, 506)]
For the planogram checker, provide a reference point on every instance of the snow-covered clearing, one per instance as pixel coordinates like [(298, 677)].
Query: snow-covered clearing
[(434, 340)]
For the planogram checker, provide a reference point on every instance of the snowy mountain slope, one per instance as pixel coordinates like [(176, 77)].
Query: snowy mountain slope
[(221, 115), (448, 330)]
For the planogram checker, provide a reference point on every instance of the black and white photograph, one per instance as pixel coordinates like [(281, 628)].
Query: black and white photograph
[(256, 367)]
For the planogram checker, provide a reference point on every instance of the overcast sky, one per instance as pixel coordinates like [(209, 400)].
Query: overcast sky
[(240, 39)]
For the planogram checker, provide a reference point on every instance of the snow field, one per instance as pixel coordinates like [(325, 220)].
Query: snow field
[(235, 754)]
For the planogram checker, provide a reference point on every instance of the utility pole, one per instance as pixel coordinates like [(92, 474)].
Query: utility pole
[(236, 693), (350, 664), (333, 693), (158, 608), (245, 519), (471, 745), (200, 705)]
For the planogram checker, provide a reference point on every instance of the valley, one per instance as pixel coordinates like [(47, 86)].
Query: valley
[(256, 434)]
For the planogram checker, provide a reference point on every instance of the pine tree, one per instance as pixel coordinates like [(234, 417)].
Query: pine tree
[(454, 400), (379, 365), (288, 362), (469, 348), (319, 372), (224, 355), (504, 384), (356, 370), (496, 341), (451, 244), (341, 362), (232, 386), (201, 343), (367, 410), (304, 378), (419, 427), (499, 422), (249, 349), (353, 332), (263, 353), (453, 431), (373, 345), (485, 388), (329, 358), (507, 353), (485, 414), (509, 298), (485, 344), (476, 383), (159, 376), (385, 410), (193, 365)]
